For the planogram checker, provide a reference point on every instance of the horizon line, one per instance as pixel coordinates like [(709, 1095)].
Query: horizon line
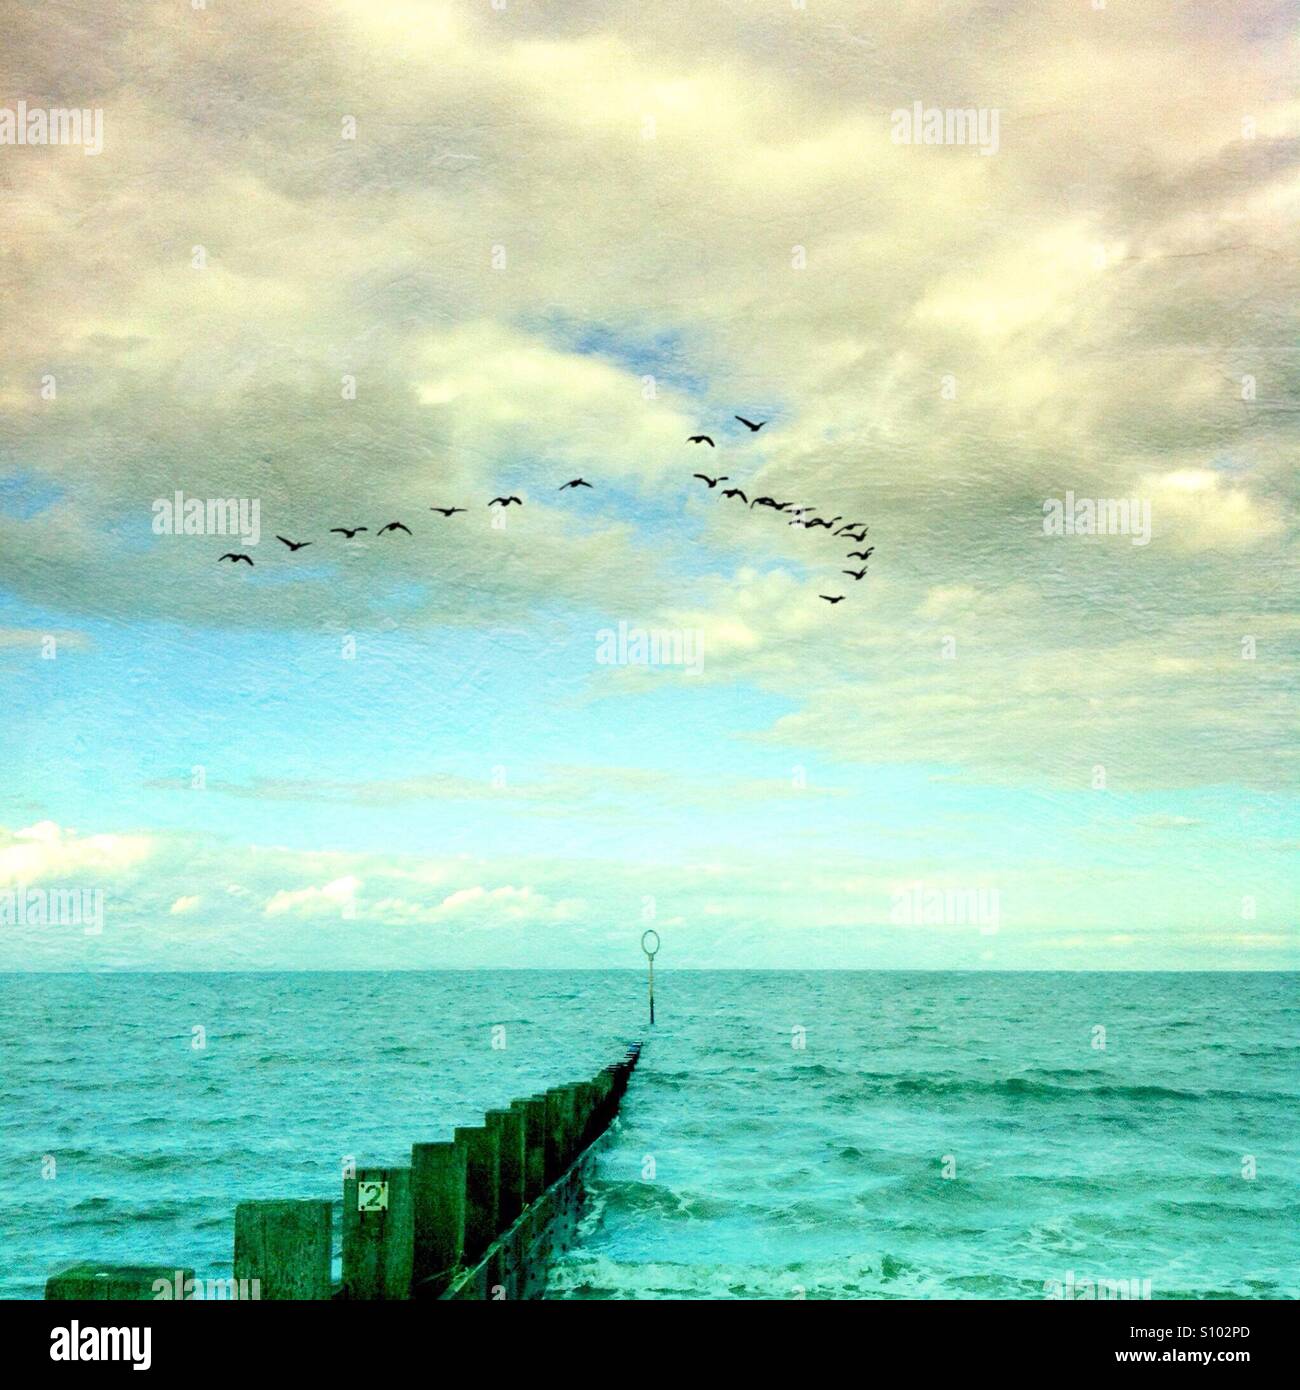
[(676, 970)]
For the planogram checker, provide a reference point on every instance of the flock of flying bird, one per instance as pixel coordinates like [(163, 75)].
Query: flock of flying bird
[(855, 531)]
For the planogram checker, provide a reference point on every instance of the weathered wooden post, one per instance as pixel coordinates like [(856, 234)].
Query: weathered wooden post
[(438, 1213), (482, 1183), (285, 1246), (584, 1100), (509, 1127), (533, 1110), (605, 1103), (571, 1125), (556, 1103), (378, 1234), (119, 1283), (597, 1090)]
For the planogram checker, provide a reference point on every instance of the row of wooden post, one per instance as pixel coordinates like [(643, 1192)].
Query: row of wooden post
[(408, 1231)]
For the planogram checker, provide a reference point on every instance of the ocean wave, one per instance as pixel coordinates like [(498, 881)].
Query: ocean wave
[(586, 1274), (1045, 1085), (660, 1199)]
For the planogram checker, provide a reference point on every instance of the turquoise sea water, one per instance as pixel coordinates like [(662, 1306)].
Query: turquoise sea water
[(743, 1164)]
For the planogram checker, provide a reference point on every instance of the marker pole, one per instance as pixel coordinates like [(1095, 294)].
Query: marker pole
[(651, 952)]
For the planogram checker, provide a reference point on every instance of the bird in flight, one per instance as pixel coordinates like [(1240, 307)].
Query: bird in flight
[(447, 511), (733, 492), (394, 526), (234, 559), (837, 598), (857, 574), (712, 482), (769, 502), (573, 482), (293, 545), (750, 425), (505, 501), (701, 439), (348, 531), (860, 554), (858, 536), (852, 526), (815, 521)]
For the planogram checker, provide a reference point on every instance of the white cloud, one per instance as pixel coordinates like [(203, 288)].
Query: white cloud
[(47, 851), (1198, 510), (330, 899)]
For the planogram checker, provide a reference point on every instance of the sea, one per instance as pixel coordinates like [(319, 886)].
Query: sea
[(827, 1135)]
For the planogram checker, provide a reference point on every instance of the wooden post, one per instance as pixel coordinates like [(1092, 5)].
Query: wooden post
[(606, 1104), (534, 1113), (509, 1127), (584, 1094), (555, 1131), (569, 1112), (438, 1213), (378, 1234), (285, 1246), (119, 1283), (594, 1126), (482, 1183)]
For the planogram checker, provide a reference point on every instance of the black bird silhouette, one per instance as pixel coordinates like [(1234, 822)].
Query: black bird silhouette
[(858, 536), (712, 482), (852, 526), (818, 521), (293, 545), (860, 554), (505, 501), (770, 502), (750, 425), (838, 598), (447, 511), (734, 492), (234, 559), (394, 526), (573, 482), (857, 574), (701, 439), (348, 531)]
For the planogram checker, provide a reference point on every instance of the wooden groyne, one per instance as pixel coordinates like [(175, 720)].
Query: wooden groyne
[(478, 1216)]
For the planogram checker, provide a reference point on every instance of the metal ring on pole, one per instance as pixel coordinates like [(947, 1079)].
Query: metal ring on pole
[(650, 931)]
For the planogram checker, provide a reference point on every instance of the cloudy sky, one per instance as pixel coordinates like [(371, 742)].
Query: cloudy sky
[(351, 259)]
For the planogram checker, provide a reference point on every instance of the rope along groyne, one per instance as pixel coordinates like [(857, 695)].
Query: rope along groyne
[(474, 1217)]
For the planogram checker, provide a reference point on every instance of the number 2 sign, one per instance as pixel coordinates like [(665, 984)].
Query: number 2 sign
[(372, 1196)]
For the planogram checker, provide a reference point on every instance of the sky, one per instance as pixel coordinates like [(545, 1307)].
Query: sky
[(350, 260)]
